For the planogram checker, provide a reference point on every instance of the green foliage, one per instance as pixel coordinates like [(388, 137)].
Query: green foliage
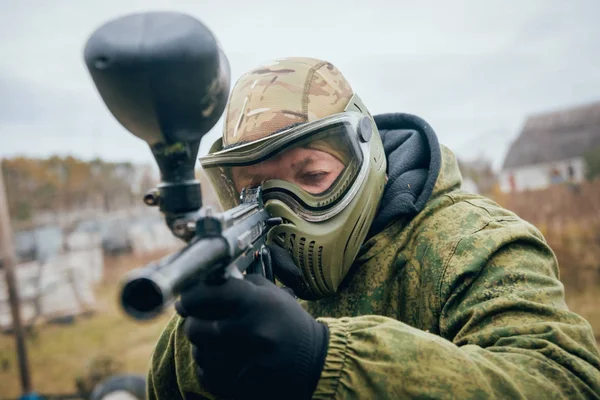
[(592, 164)]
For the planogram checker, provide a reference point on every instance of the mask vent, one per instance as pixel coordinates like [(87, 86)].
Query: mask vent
[(306, 258), (311, 259), (311, 254), (315, 256), (320, 266), (320, 261), (301, 257)]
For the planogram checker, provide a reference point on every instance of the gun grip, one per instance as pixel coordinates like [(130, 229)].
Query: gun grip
[(267, 263)]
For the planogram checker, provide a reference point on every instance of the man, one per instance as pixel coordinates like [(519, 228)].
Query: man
[(412, 287)]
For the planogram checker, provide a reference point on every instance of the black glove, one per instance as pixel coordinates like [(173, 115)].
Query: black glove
[(288, 273), (253, 340)]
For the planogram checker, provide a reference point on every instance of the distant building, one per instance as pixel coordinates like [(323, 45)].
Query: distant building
[(550, 147)]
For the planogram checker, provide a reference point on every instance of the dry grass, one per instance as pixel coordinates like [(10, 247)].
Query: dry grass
[(58, 354), (582, 291), (586, 305), (569, 218)]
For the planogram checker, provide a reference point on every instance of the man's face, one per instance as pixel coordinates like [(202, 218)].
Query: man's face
[(312, 170)]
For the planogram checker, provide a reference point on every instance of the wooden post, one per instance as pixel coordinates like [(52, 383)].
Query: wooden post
[(7, 255)]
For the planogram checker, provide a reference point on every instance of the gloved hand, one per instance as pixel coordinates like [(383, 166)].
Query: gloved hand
[(288, 273), (251, 339)]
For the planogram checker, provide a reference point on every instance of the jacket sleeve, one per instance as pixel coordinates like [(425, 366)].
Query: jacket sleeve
[(504, 331), (172, 374)]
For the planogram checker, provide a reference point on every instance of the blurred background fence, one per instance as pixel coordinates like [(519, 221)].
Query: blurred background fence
[(59, 266)]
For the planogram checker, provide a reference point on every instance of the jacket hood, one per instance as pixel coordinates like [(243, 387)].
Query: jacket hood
[(418, 167)]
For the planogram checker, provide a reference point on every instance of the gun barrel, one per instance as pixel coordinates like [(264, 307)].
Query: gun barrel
[(147, 291)]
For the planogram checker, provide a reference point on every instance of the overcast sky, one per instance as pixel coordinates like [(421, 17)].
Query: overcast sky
[(473, 69)]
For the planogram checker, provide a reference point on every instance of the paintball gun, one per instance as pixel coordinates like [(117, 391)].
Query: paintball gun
[(166, 80)]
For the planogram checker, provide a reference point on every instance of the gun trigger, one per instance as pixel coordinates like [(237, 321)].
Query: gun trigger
[(274, 221)]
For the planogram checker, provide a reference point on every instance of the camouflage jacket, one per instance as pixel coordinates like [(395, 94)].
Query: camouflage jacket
[(461, 301)]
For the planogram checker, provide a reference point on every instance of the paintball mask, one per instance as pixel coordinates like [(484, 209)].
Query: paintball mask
[(324, 177)]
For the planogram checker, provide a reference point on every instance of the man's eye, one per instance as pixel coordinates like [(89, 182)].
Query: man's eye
[(314, 177)]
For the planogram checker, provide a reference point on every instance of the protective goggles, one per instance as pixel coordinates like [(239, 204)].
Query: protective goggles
[(315, 168)]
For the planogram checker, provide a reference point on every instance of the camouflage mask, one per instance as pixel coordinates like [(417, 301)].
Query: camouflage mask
[(275, 114)]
